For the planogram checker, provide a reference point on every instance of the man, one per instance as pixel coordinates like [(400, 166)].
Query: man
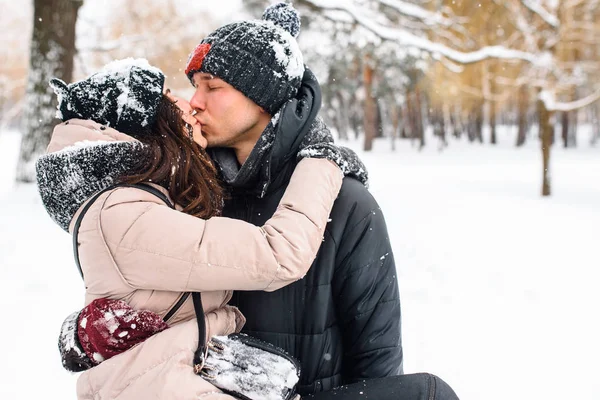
[(342, 320)]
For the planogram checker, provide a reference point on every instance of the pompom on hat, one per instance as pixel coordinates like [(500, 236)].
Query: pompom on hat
[(260, 58), (124, 95)]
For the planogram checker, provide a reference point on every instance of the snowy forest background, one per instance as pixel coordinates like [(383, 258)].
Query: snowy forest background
[(479, 122)]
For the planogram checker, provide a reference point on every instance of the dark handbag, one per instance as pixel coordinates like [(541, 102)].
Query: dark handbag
[(243, 366)]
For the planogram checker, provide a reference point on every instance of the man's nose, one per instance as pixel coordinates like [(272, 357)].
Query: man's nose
[(198, 101)]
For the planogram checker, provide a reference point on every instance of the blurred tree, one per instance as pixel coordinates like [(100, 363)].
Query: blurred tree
[(162, 32), (522, 112), (15, 20), (550, 47), (370, 102), (594, 118), (564, 37), (51, 55)]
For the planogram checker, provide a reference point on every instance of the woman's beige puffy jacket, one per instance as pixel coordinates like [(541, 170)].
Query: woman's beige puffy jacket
[(134, 247)]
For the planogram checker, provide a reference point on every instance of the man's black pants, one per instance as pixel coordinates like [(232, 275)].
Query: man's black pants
[(420, 386)]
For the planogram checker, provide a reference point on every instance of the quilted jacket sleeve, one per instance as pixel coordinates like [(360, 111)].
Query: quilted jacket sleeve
[(365, 288), (155, 247)]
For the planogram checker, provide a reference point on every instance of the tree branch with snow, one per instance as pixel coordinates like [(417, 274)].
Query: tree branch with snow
[(364, 17)]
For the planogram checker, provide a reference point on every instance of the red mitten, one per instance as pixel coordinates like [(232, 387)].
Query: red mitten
[(109, 327), (103, 329)]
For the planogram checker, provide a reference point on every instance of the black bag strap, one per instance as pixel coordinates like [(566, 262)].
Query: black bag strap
[(78, 224), (200, 353), (141, 186)]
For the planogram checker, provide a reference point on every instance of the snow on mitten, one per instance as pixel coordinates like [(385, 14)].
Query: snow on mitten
[(109, 327), (72, 355), (103, 329)]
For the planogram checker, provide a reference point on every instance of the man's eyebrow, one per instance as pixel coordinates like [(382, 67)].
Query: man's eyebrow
[(205, 78)]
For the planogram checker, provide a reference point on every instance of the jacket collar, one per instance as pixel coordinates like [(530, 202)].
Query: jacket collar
[(83, 158)]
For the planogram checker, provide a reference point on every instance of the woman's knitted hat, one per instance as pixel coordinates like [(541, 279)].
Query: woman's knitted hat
[(124, 95), (260, 58)]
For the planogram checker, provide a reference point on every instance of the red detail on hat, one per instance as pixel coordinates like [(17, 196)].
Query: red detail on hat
[(195, 61), (109, 327)]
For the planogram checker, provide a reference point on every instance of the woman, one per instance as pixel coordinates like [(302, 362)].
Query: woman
[(120, 128)]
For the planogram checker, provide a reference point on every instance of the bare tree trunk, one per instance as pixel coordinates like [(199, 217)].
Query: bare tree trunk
[(447, 122), (475, 126), (370, 112), (471, 128), (439, 127), (395, 111), (595, 121), (572, 134), (565, 129), (379, 118), (523, 105), (443, 125), (479, 124), (406, 124), (411, 132), (52, 51), (355, 120), (546, 134), (419, 118), (569, 124), (457, 125), (342, 113), (493, 139), (488, 112)]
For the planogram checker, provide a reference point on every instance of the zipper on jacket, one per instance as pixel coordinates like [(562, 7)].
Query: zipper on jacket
[(242, 207), (249, 210), (431, 387), (176, 307)]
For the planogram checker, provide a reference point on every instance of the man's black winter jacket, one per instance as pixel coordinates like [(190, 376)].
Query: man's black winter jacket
[(342, 320)]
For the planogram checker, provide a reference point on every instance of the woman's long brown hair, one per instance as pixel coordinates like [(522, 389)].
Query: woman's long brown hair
[(177, 163)]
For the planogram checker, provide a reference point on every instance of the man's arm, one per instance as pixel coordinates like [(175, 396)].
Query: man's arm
[(365, 289)]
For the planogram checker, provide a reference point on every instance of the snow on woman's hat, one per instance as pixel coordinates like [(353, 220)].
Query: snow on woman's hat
[(260, 58), (124, 95)]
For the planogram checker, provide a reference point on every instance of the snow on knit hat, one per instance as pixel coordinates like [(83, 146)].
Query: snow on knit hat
[(124, 95), (260, 58)]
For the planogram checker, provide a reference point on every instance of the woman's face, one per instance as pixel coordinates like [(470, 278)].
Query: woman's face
[(190, 122)]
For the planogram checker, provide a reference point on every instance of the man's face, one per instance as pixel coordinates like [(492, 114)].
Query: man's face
[(228, 118)]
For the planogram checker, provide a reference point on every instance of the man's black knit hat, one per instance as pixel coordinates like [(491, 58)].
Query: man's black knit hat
[(260, 58), (124, 95)]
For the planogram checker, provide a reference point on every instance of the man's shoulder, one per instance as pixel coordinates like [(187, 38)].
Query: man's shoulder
[(355, 197), (354, 204)]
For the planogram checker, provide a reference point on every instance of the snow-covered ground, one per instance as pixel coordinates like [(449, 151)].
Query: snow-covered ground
[(499, 286)]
